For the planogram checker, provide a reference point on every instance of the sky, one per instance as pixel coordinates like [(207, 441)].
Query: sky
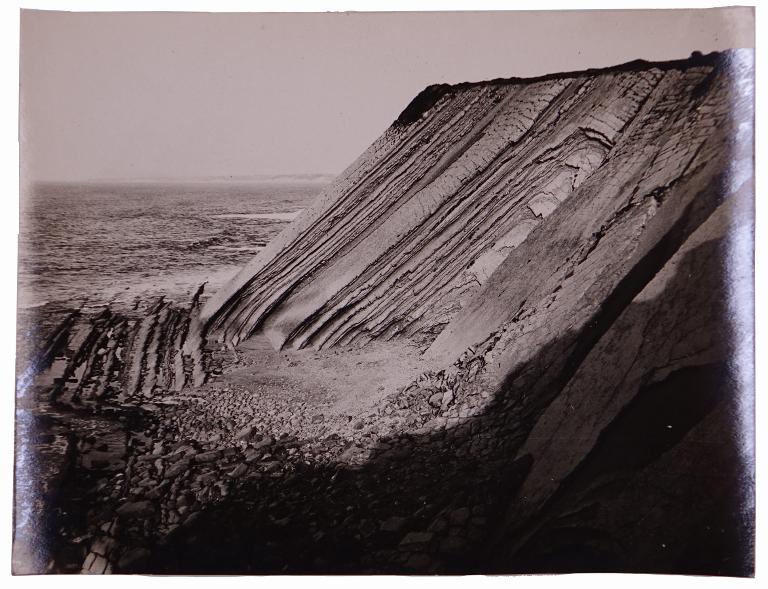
[(194, 95)]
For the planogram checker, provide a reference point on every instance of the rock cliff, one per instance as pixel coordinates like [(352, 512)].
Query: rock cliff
[(531, 307), (578, 248), (500, 190)]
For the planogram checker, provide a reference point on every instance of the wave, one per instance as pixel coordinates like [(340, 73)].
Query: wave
[(289, 216)]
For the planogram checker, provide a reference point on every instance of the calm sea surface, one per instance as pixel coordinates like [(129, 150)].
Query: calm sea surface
[(99, 243)]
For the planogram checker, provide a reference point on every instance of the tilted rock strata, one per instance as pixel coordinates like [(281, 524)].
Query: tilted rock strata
[(405, 237), (573, 252), (657, 404), (119, 355), (671, 168)]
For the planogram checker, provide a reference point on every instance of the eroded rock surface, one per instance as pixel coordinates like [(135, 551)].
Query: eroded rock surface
[(514, 336), (408, 235)]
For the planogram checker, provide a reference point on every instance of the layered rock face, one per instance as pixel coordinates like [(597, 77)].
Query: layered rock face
[(577, 248), (572, 257), (151, 350), (464, 183)]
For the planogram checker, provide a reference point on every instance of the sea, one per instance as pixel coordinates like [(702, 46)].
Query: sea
[(91, 244)]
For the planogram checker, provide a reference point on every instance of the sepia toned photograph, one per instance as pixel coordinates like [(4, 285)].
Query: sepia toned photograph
[(386, 293)]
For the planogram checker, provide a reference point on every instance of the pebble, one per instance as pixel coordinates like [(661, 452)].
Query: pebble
[(419, 561), (231, 437), (246, 433), (136, 509), (209, 456), (416, 538), (266, 442), (393, 524), (238, 471), (459, 517)]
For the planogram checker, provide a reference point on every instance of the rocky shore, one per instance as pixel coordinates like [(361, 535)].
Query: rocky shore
[(515, 336), (153, 474)]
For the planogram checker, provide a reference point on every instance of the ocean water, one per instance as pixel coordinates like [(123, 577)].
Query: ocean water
[(104, 243)]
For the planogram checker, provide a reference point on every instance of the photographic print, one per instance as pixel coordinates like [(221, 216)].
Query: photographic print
[(386, 293)]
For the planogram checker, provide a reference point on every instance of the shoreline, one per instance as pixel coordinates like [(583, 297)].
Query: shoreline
[(155, 470)]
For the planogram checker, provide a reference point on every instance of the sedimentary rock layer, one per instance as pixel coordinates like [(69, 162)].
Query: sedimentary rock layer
[(405, 238), (119, 355)]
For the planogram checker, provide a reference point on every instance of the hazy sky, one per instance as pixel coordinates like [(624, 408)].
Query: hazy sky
[(150, 95)]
